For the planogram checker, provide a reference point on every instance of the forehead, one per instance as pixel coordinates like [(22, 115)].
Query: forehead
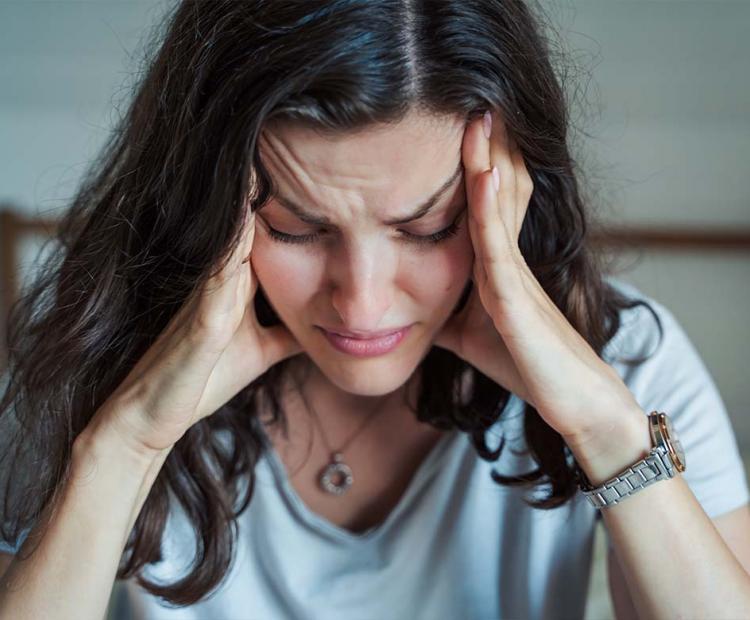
[(383, 166)]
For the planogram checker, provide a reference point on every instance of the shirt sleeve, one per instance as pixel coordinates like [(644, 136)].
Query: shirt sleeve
[(7, 501), (674, 380), (9, 547)]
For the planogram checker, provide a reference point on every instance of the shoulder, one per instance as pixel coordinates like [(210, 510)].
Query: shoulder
[(657, 359), (642, 326), (664, 370), (652, 351)]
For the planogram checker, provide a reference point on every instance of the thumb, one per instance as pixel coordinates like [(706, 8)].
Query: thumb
[(278, 343)]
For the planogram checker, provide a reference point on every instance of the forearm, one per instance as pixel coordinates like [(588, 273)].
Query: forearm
[(675, 562), (72, 571)]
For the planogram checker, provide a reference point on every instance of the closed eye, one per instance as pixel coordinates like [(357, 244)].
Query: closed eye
[(431, 239)]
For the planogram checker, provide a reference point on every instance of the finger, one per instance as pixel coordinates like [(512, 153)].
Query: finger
[(248, 235), (219, 307), (524, 183), (500, 156), (197, 333), (489, 231), (475, 155), (492, 210), (476, 158), (495, 265), (235, 278), (250, 279)]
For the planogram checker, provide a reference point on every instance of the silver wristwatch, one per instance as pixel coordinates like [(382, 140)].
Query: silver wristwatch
[(665, 459)]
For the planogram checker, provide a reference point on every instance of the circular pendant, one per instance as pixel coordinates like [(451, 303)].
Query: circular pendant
[(336, 477)]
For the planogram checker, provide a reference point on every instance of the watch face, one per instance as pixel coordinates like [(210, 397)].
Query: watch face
[(674, 443)]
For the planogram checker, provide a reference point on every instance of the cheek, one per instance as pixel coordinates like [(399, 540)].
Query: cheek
[(289, 278), (440, 275), (435, 277)]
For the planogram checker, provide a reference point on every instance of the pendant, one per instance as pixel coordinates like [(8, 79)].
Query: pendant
[(337, 476)]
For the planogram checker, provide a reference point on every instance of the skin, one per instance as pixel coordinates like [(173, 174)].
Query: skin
[(360, 273)]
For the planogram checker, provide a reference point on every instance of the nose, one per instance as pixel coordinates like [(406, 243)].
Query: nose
[(363, 283)]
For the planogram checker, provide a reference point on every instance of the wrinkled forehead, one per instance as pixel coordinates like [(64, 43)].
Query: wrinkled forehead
[(384, 165)]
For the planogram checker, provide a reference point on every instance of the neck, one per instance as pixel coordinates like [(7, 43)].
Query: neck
[(306, 383), (307, 392)]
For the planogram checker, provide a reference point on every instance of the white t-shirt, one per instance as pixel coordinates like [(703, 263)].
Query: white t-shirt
[(457, 545)]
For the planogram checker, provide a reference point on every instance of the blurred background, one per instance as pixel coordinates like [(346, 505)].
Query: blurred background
[(661, 112)]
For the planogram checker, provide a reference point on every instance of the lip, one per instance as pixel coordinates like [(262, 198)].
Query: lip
[(364, 335), (378, 344)]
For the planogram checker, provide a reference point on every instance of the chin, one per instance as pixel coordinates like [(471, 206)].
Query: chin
[(373, 376), (365, 385)]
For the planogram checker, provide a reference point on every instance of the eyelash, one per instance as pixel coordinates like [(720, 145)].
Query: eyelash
[(433, 239)]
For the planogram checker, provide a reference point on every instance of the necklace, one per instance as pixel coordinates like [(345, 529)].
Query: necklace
[(337, 477)]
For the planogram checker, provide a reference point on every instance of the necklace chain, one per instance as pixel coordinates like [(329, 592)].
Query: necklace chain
[(351, 438), (337, 477)]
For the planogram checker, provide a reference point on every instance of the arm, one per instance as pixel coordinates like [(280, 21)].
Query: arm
[(622, 602), (733, 527), (672, 558), (107, 488)]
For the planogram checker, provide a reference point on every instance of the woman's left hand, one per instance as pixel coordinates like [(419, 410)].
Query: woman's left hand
[(510, 329)]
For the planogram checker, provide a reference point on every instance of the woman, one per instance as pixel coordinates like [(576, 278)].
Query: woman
[(319, 323)]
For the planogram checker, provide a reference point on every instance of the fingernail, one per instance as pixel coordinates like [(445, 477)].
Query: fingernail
[(487, 124), (496, 178)]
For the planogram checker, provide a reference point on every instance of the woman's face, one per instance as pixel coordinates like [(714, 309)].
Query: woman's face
[(343, 264)]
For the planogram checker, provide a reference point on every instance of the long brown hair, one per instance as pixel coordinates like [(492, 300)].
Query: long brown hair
[(164, 200)]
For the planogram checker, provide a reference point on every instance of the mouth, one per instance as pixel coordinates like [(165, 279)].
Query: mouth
[(378, 343)]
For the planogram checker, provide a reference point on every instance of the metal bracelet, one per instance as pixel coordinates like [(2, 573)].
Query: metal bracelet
[(656, 466)]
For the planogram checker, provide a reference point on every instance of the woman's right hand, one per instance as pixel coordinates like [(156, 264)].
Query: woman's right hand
[(212, 348)]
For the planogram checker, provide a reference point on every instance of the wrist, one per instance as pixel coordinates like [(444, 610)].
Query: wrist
[(108, 436), (605, 454)]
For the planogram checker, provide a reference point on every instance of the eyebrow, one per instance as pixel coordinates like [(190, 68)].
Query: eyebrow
[(422, 210)]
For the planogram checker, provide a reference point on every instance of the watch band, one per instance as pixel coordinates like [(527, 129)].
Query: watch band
[(664, 461), (654, 467)]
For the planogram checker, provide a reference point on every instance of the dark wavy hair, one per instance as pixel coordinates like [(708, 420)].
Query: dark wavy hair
[(160, 207)]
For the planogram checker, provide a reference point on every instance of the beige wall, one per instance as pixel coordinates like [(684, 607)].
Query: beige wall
[(671, 147)]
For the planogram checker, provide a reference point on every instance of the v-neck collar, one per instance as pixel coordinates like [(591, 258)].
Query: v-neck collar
[(421, 476)]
